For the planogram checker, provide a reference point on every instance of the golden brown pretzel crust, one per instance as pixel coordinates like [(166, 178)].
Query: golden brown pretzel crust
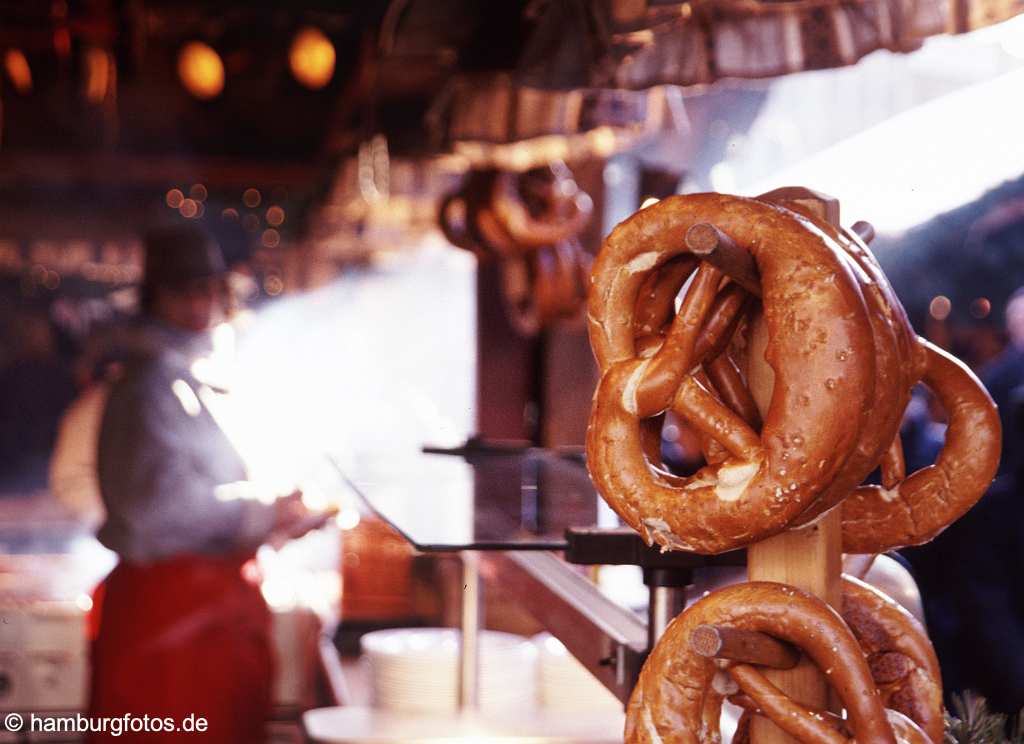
[(567, 213), (898, 366), (545, 287), (905, 730), (820, 348), (900, 656), (876, 519), (544, 268), (675, 700), (887, 661)]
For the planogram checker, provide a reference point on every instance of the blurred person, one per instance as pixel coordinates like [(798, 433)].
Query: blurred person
[(1004, 378), (181, 627), (73, 477)]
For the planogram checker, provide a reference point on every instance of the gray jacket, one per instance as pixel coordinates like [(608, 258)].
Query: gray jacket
[(162, 457)]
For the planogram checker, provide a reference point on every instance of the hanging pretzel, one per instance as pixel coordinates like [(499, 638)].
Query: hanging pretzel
[(968, 463), (529, 223), (564, 209), (902, 661), (905, 730), (899, 358), (820, 349), (901, 658), (679, 694), (545, 287), (914, 510)]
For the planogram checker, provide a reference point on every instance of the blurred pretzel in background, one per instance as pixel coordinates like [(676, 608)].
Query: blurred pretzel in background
[(530, 223)]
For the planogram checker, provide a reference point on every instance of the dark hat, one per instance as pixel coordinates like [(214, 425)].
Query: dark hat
[(178, 254)]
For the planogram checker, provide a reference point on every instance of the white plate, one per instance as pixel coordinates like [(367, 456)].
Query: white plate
[(440, 642)]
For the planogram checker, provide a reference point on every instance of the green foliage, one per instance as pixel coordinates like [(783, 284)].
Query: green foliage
[(974, 723)]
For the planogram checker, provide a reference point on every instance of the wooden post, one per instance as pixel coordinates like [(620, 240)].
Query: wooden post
[(810, 557)]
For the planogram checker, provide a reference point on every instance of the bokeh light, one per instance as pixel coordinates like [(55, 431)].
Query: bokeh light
[(940, 307), (174, 198), (201, 70), (20, 74), (275, 216), (251, 198), (312, 58)]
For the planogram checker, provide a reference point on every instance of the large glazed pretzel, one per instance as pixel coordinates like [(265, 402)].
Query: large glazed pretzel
[(904, 729), (913, 510), (679, 695), (820, 347), (899, 363), (902, 661), (905, 511), (900, 656)]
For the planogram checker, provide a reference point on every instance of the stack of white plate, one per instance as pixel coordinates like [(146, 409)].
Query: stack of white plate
[(564, 684), (416, 670)]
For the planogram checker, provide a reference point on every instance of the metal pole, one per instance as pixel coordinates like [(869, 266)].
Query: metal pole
[(667, 587), (665, 603), (469, 649)]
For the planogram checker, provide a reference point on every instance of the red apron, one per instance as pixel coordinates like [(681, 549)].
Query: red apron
[(189, 636)]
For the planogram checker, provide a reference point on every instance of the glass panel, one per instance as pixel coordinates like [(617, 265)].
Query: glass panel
[(504, 500)]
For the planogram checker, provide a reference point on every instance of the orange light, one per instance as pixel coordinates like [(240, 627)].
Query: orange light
[(201, 70), (940, 307), (271, 238), (229, 214), (275, 216), (981, 307), (198, 192), (18, 70), (189, 208), (174, 198), (251, 198), (100, 73), (312, 58)]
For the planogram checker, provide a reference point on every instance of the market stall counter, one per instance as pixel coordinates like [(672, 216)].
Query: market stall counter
[(522, 519)]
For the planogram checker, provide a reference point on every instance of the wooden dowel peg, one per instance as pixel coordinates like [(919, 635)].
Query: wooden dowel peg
[(747, 646), (712, 245), (865, 230), (815, 203)]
